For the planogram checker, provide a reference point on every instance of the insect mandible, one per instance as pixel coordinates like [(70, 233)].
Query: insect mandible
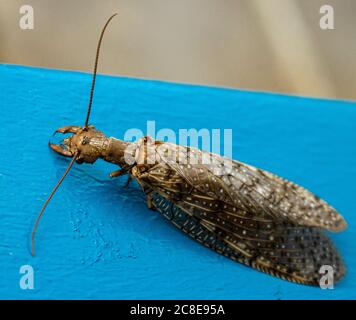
[(247, 214)]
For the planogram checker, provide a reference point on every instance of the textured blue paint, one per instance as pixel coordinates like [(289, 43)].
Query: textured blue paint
[(98, 240)]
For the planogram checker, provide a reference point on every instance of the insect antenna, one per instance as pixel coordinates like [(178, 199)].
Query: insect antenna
[(95, 69), (47, 201), (76, 154)]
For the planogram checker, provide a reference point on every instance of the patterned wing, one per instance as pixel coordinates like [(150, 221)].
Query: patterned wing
[(237, 217), (294, 253), (252, 189)]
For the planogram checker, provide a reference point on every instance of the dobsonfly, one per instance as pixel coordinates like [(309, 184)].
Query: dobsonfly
[(247, 214)]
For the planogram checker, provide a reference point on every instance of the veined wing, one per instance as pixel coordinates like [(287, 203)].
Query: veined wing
[(286, 251), (251, 189), (259, 235)]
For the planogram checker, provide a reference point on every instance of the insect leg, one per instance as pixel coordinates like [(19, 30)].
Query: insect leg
[(121, 172), (128, 181), (117, 173), (150, 202)]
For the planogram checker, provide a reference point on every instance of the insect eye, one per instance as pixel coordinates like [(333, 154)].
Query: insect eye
[(85, 140)]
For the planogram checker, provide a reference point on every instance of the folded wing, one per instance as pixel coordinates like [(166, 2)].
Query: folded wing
[(249, 215)]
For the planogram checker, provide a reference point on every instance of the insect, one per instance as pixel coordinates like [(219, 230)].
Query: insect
[(247, 214)]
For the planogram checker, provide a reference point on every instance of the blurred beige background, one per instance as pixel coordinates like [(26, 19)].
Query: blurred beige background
[(269, 45)]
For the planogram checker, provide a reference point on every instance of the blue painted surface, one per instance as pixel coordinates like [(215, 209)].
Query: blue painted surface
[(98, 240)]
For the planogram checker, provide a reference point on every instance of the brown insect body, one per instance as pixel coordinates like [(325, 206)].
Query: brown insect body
[(244, 213), (240, 211)]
